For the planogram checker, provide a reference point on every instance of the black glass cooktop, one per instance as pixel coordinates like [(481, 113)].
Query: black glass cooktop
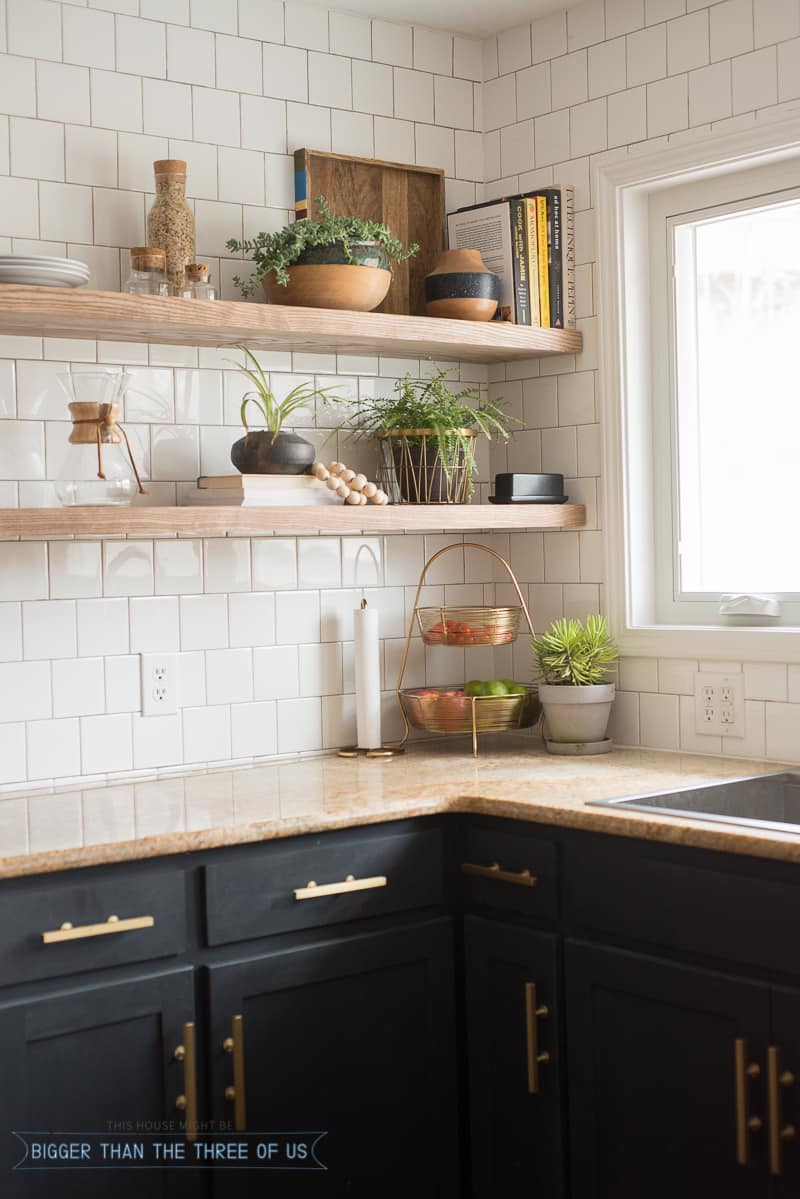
[(770, 801)]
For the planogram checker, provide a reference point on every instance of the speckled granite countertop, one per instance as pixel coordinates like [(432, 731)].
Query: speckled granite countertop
[(513, 777)]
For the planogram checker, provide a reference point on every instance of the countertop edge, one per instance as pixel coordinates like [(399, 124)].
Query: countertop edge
[(606, 821)]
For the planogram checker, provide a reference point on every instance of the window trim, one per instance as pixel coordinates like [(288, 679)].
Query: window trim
[(623, 189)]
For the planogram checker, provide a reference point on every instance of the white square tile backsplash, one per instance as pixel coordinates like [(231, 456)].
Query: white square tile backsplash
[(89, 97)]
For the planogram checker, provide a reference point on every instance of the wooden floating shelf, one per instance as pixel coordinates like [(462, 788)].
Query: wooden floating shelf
[(317, 518), (116, 316)]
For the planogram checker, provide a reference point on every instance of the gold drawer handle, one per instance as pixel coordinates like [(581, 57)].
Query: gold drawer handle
[(533, 1013), (113, 924), (779, 1133), (745, 1123), (187, 1102), (523, 878), (314, 890), (234, 1044)]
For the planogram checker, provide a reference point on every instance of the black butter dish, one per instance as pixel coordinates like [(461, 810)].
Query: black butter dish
[(517, 488)]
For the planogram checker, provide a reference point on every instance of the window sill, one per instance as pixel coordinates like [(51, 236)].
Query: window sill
[(710, 642)]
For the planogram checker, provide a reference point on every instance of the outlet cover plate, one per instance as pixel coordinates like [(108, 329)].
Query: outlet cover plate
[(159, 684), (719, 704)]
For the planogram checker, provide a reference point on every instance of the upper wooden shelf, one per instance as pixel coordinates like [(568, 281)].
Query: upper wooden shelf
[(115, 316), (317, 518)]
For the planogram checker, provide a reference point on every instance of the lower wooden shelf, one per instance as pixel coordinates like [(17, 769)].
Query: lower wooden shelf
[(322, 518)]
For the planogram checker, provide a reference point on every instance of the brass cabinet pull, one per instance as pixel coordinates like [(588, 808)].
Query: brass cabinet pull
[(523, 878), (234, 1044), (779, 1132), (187, 1102), (745, 1123), (314, 890), (67, 932), (533, 1014)]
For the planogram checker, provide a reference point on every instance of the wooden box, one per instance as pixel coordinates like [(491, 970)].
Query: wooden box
[(409, 199)]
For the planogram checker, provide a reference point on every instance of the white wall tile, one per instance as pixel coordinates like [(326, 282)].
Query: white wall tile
[(588, 128), (17, 85), (667, 105), (117, 101), (350, 35), (467, 58), (394, 140), (207, 734), (34, 28), (167, 108), (62, 92), (499, 102), (261, 19), (49, 629), (329, 80), (585, 24), (36, 148), (433, 51), (24, 691), (639, 674), (123, 683), (297, 617), (413, 95), (190, 55), (783, 732), (765, 680), (299, 725), (219, 15), (647, 55), (238, 64), (53, 749), (78, 688), (229, 676), (731, 28), (623, 16), (392, 44), (306, 25), (276, 672), (128, 568), (254, 729), (227, 565), (88, 37), (659, 721), (106, 744), (755, 83), (308, 125), (141, 46), (102, 626)]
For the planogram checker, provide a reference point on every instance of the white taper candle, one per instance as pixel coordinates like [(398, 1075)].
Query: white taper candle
[(368, 677)]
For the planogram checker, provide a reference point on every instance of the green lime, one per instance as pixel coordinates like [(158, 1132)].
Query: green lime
[(513, 688), (474, 687), (496, 687)]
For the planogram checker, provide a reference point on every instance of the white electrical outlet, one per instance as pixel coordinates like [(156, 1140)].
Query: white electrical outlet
[(719, 704), (159, 684)]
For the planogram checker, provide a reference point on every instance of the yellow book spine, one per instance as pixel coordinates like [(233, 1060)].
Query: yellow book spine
[(532, 230), (544, 264)]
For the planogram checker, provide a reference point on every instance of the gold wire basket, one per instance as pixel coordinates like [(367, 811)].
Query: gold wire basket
[(468, 626), (449, 710), (415, 468)]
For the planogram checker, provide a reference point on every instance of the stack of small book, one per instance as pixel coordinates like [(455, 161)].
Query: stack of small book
[(529, 242), (261, 491)]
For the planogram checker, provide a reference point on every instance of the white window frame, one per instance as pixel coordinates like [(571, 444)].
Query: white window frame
[(631, 300)]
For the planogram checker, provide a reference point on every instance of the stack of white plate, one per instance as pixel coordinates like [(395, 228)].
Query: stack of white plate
[(43, 271)]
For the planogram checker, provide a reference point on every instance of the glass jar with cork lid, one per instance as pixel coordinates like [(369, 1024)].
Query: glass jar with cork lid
[(148, 275), (170, 221)]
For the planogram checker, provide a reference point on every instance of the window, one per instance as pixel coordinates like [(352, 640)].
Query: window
[(699, 259)]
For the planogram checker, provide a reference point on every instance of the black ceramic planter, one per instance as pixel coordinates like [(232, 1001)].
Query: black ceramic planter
[(262, 453)]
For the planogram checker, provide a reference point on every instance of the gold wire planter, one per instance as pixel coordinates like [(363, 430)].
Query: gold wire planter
[(468, 626), (414, 467), (448, 710)]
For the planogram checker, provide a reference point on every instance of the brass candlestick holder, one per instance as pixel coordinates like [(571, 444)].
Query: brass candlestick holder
[(450, 710)]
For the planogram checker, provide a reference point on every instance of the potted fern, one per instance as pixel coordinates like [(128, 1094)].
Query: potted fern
[(331, 262), (268, 450), (575, 661), (427, 435)]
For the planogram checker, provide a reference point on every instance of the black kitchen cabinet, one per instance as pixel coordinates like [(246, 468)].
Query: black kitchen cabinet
[(512, 1009), (353, 1037), (783, 1086), (653, 1078), (92, 1060)]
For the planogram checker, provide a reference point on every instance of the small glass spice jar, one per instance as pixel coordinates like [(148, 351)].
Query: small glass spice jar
[(148, 275), (197, 286), (170, 222)]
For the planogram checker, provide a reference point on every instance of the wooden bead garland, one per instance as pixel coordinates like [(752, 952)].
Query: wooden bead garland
[(352, 487)]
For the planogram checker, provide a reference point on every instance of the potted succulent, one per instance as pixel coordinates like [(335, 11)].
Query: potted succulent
[(575, 660), (268, 450), (427, 436), (332, 262)]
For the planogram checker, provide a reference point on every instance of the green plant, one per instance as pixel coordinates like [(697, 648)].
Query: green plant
[(427, 404), (278, 251), (571, 654), (274, 413)]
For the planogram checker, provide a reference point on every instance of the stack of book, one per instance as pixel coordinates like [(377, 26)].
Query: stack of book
[(529, 242), (261, 491)]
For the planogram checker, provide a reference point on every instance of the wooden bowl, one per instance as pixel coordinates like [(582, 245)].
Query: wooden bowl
[(330, 285)]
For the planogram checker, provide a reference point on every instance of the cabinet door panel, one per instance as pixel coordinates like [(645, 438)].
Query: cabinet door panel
[(92, 1061), (652, 1078), (353, 1037), (516, 1141), (785, 1150)]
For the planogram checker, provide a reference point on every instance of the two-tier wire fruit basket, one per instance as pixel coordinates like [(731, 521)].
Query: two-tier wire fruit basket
[(449, 709)]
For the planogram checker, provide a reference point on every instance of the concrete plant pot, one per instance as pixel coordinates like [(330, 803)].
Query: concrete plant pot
[(576, 715)]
